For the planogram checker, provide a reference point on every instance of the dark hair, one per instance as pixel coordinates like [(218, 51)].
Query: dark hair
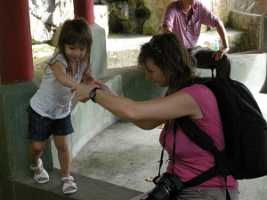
[(173, 59), (75, 31)]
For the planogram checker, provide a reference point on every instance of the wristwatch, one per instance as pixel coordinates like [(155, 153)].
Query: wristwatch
[(92, 94)]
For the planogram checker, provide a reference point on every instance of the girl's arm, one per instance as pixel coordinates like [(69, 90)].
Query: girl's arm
[(60, 74), (158, 110)]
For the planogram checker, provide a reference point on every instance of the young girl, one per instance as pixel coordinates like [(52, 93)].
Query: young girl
[(50, 107), (167, 63)]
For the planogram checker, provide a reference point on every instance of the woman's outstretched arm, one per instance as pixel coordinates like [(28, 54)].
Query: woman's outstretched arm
[(158, 110)]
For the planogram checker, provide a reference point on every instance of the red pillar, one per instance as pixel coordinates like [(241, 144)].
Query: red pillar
[(85, 9), (15, 42)]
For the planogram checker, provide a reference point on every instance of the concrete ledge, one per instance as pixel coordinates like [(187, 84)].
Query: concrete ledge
[(249, 69), (89, 189), (261, 100), (134, 85), (14, 101)]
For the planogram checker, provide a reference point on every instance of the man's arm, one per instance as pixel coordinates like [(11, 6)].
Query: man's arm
[(168, 20), (165, 29), (224, 40), (209, 19)]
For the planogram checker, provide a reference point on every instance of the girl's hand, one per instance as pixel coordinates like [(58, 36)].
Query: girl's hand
[(82, 91)]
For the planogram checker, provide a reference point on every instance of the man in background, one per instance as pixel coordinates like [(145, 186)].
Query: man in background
[(184, 18)]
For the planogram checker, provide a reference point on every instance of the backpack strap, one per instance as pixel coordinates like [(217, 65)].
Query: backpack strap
[(204, 141)]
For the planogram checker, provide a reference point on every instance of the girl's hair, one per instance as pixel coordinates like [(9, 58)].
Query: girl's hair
[(75, 31), (173, 59)]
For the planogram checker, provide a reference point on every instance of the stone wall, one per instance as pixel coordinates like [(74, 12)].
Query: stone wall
[(152, 25), (46, 15), (252, 24), (131, 16), (127, 16), (250, 6), (221, 8)]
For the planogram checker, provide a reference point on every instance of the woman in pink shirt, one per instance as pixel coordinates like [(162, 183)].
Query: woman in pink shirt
[(167, 63), (184, 18)]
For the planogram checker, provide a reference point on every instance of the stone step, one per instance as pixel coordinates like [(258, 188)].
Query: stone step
[(89, 189)]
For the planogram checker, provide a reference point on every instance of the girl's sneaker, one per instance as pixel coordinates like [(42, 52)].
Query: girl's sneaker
[(40, 174), (69, 186)]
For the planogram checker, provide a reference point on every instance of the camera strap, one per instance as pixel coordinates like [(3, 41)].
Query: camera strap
[(162, 154), (174, 125)]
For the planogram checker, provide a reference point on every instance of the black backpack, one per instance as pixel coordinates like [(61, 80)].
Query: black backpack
[(245, 133)]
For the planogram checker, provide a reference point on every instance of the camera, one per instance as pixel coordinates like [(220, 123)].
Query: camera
[(167, 187)]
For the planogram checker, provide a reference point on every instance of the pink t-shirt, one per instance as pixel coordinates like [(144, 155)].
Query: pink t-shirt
[(190, 159), (188, 30)]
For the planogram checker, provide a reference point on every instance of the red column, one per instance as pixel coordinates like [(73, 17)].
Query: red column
[(85, 9), (15, 42)]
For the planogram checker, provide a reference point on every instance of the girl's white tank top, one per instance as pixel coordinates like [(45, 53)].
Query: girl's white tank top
[(52, 99)]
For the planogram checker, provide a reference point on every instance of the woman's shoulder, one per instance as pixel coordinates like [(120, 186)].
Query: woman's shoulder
[(200, 92), (196, 88)]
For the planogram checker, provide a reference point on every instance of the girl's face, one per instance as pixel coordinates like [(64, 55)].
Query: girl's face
[(155, 74), (74, 52)]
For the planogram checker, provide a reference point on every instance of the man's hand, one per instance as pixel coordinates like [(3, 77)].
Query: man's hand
[(219, 54), (105, 88)]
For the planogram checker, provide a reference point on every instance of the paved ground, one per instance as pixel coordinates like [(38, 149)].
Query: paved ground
[(122, 154), (126, 155)]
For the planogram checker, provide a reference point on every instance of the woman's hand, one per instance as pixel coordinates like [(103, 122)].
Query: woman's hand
[(100, 85), (105, 88)]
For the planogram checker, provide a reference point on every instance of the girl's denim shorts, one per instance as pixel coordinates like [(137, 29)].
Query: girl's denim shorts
[(41, 128)]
